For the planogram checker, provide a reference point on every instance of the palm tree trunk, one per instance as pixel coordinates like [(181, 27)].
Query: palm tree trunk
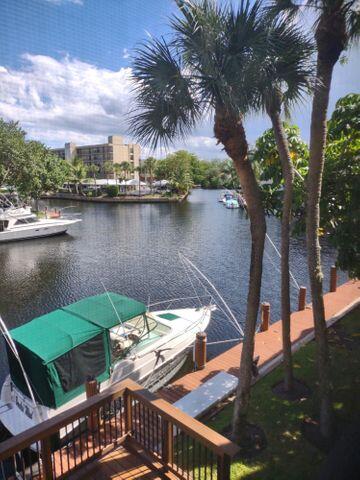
[(314, 182), (288, 175), (230, 132)]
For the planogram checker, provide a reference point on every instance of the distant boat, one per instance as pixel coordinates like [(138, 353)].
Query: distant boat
[(21, 224), (232, 203), (224, 196), (107, 337)]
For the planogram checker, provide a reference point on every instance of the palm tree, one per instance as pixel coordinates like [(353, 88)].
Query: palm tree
[(78, 173), (118, 171), (125, 166), (93, 170), (108, 169), (150, 164), (204, 68), (337, 24), (284, 73)]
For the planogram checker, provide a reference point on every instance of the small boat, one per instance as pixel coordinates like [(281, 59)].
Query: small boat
[(107, 337), (232, 203), (21, 224), (226, 196)]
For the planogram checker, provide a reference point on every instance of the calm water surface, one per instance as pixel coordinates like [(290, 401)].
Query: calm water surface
[(133, 250)]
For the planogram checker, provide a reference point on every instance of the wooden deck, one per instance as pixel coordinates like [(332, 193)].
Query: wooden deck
[(118, 465), (268, 345)]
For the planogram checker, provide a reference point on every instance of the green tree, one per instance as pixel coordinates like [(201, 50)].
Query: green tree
[(42, 172), (177, 169), (284, 74), (340, 205), (78, 173), (337, 25), (266, 155), (118, 171), (93, 170), (12, 151), (205, 67), (150, 166), (108, 170)]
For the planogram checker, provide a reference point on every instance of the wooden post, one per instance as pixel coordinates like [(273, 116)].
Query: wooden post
[(168, 443), (223, 467), (46, 459), (265, 316), (200, 350), (302, 299), (91, 388), (333, 279), (128, 412)]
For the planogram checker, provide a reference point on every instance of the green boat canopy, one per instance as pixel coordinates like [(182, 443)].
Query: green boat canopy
[(61, 349)]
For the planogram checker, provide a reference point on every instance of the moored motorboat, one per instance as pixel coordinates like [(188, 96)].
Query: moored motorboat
[(21, 224), (108, 337), (232, 203)]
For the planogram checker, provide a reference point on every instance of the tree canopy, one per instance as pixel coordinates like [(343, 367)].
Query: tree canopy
[(340, 205)]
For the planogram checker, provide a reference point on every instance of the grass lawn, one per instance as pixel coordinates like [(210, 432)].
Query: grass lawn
[(288, 454)]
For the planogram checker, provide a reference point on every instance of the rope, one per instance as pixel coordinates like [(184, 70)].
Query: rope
[(224, 341), (217, 293), (279, 254)]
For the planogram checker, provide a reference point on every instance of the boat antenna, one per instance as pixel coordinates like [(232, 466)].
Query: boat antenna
[(112, 303), (12, 346), (232, 316)]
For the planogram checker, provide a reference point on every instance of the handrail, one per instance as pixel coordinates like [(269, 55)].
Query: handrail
[(130, 393), (216, 442), (53, 425)]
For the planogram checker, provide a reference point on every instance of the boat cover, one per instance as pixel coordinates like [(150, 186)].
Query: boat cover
[(61, 349)]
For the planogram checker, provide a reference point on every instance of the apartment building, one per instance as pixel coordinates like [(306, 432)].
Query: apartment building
[(115, 150)]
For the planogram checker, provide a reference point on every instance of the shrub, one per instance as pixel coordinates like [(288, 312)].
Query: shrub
[(112, 190)]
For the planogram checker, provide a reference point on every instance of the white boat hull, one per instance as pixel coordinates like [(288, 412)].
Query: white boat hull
[(17, 413), (46, 228)]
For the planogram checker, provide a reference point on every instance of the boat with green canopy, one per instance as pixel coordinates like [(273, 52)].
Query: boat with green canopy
[(107, 337)]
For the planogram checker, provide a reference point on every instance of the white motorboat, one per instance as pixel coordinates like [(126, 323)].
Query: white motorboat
[(107, 337), (21, 224)]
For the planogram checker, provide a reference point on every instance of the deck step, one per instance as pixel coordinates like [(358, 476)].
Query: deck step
[(210, 393)]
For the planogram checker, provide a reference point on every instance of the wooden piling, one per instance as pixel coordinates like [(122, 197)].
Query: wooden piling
[(333, 279), (200, 350), (302, 299), (265, 316), (91, 389)]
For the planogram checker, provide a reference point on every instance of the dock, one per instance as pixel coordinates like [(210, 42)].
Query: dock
[(268, 344)]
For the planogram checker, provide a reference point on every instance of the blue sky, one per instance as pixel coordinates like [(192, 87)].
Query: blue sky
[(64, 69)]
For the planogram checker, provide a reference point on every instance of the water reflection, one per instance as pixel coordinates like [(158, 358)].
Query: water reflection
[(133, 249)]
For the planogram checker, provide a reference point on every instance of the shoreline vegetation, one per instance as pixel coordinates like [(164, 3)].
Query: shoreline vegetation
[(154, 198)]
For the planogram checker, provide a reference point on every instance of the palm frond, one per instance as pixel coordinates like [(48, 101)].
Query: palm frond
[(166, 104)]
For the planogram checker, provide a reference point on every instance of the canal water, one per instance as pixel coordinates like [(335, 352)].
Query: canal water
[(133, 250)]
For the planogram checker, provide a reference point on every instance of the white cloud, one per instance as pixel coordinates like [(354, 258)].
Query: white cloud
[(60, 2), (69, 100), (126, 53), (60, 100)]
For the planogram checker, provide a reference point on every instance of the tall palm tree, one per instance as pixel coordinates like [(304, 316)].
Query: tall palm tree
[(285, 74), (150, 164), (78, 173), (93, 170), (203, 68), (337, 25), (125, 166), (118, 171), (108, 169)]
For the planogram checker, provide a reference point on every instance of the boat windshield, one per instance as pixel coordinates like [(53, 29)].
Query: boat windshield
[(26, 220), (135, 335), (3, 225)]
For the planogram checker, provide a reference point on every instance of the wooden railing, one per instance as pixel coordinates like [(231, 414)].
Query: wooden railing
[(125, 414)]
